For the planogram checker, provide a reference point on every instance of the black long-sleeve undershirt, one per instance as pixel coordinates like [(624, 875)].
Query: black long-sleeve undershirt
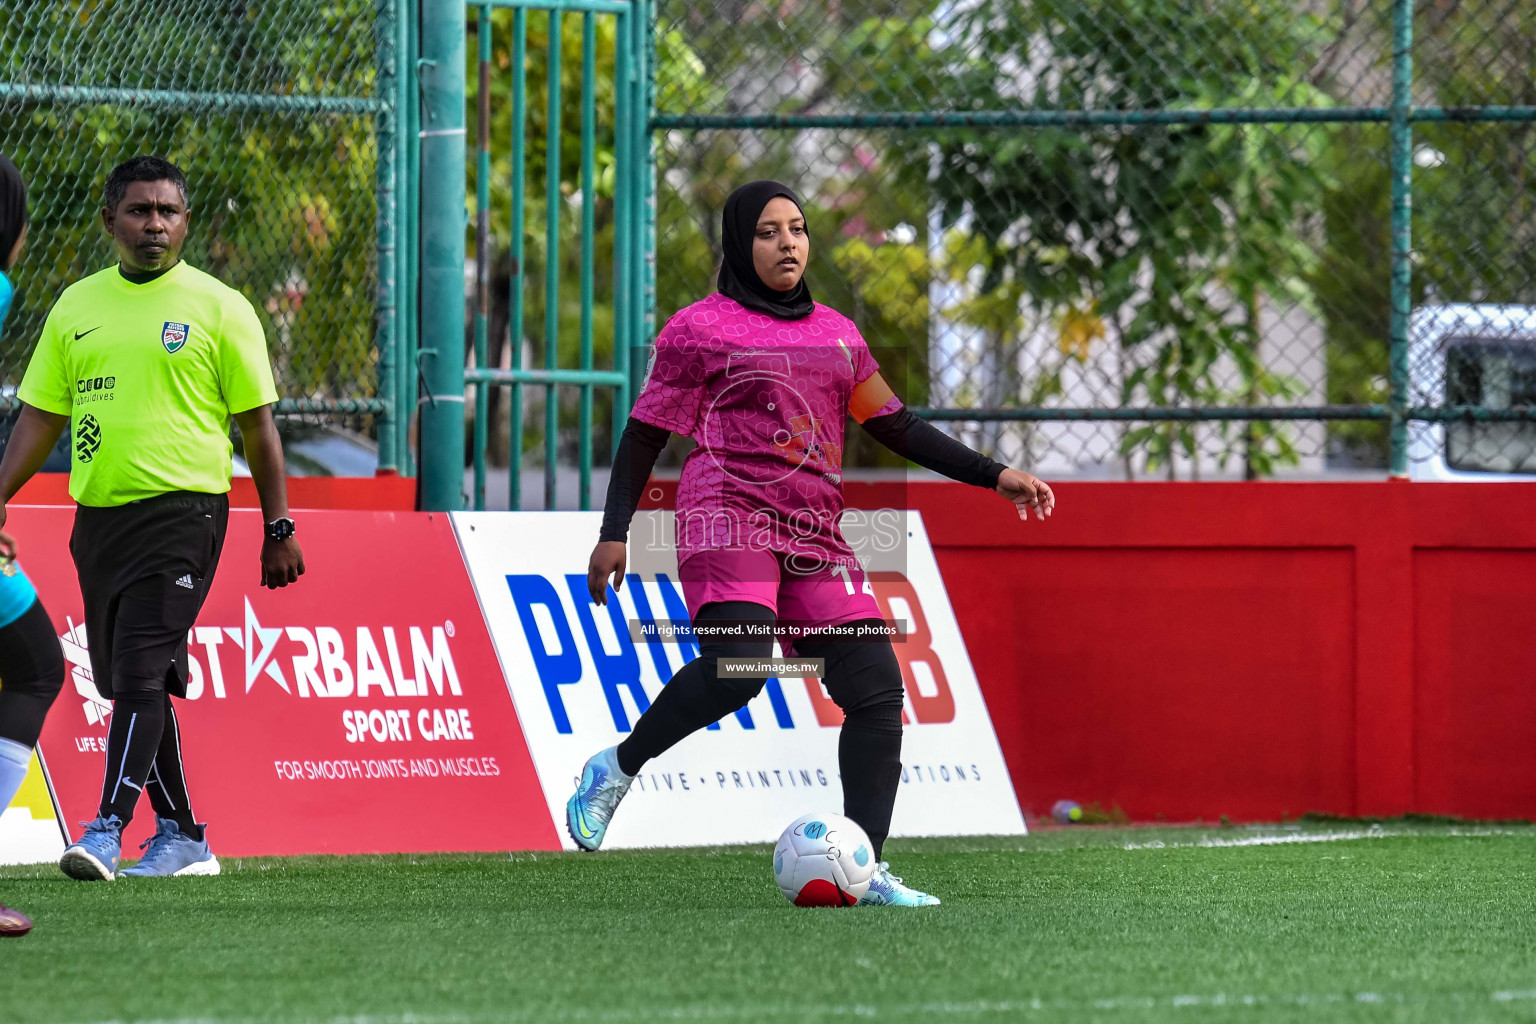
[(914, 438), (909, 436), (639, 447)]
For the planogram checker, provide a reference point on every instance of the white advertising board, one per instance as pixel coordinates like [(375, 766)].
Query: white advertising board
[(29, 828), (579, 683)]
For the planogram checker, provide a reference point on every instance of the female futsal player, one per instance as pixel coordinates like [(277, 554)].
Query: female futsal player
[(31, 663), (763, 379)]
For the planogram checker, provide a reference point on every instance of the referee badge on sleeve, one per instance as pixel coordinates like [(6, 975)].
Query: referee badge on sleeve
[(174, 336)]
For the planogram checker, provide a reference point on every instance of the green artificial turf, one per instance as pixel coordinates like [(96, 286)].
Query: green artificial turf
[(1406, 923)]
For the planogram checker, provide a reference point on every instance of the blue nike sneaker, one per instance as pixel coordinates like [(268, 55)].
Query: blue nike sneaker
[(886, 890), (591, 807), (170, 851), (94, 856)]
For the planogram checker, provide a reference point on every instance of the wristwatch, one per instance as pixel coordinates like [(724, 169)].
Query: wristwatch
[(280, 529)]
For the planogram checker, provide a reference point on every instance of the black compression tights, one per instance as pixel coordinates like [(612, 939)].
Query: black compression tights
[(862, 676), (31, 673)]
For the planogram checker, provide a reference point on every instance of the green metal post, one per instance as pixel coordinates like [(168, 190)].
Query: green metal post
[(519, 122), (639, 149), (588, 227), (648, 136), (1035, 118), (386, 135), (552, 200), (622, 113), (1402, 229), (442, 254), (482, 244), (408, 245)]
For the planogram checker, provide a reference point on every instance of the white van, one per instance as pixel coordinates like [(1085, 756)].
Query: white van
[(1472, 355)]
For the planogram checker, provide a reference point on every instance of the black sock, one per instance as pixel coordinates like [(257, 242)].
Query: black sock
[(696, 697), (167, 785), (864, 678), (138, 719), (869, 756)]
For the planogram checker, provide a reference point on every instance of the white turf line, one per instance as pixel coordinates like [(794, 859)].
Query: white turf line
[(925, 1010), (1210, 842)]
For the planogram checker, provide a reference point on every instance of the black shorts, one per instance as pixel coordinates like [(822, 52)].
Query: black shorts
[(145, 568)]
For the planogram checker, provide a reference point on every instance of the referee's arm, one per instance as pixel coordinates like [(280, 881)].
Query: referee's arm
[(282, 562)]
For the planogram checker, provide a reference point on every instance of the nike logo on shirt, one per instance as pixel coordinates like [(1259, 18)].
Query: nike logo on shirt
[(81, 334)]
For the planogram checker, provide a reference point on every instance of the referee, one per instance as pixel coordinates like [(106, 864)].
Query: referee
[(150, 358)]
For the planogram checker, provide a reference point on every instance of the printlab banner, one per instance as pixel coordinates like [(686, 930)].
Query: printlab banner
[(579, 682), (361, 710)]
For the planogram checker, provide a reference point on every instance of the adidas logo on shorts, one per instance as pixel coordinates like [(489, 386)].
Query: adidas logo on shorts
[(185, 581)]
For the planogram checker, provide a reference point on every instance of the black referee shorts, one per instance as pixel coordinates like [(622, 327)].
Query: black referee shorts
[(145, 568)]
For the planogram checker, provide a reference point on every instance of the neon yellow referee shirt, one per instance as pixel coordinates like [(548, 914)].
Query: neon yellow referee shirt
[(150, 375)]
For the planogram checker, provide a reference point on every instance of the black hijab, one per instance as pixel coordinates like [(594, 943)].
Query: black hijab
[(13, 208), (738, 277)]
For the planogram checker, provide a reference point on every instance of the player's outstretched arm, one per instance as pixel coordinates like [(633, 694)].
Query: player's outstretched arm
[(914, 438), (282, 561), (33, 437), (639, 447)]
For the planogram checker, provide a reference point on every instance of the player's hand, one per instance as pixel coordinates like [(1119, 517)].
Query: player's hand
[(282, 562), (1028, 494), (607, 562), (2, 515), (7, 542)]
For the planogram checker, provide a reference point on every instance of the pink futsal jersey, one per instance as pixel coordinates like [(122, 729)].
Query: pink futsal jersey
[(766, 400)]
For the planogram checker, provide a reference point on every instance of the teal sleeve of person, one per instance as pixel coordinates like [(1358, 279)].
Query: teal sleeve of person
[(16, 593), (6, 294)]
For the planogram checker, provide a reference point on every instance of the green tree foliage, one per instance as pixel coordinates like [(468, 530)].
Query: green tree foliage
[(1474, 202), (684, 72), (1171, 236), (284, 205)]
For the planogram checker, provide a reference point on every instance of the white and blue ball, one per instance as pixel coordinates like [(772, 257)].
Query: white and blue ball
[(823, 860)]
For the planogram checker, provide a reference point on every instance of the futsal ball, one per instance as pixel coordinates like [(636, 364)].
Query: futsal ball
[(1066, 812), (823, 860)]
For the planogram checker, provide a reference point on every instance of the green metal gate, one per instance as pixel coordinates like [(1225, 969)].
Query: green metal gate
[(612, 111)]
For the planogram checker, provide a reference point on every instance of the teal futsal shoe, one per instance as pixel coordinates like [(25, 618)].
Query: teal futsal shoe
[(591, 807), (886, 890), (94, 856), (171, 852)]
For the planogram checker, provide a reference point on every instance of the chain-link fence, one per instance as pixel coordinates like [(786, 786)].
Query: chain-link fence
[(1139, 237), (274, 110)]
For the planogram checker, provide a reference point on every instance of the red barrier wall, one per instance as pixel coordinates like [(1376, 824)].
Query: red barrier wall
[(1190, 650), (1255, 650)]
